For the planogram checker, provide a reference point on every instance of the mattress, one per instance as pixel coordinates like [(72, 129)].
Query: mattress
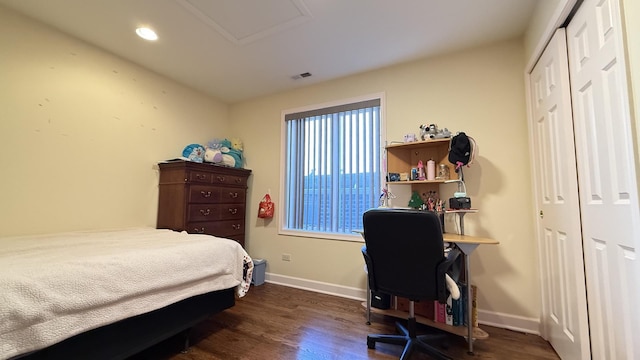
[(55, 286)]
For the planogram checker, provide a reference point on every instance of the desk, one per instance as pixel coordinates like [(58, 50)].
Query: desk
[(467, 244)]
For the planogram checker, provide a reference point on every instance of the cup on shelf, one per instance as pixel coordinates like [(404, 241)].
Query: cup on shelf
[(443, 172)]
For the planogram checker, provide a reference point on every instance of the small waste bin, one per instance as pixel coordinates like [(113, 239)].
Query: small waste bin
[(259, 267)]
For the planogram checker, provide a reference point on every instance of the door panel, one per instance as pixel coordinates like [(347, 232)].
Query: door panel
[(607, 178), (564, 297)]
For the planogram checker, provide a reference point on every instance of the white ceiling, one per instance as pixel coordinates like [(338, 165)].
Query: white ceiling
[(240, 49)]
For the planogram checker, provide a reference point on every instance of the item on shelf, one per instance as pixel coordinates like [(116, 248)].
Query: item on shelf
[(431, 170), (416, 201), (420, 170), (425, 130), (431, 131), (422, 308), (440, 312), (462, 188), (410, 138), (443, 172), (474, 306), (414, 173), (404, 176), (394, 176), (380, 300), (441, 134), (460, 203)]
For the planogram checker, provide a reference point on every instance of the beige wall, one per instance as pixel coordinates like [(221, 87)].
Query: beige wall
[(81, 130), (481, 92), (548, 16)]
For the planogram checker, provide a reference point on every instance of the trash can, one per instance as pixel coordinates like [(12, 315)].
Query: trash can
[(259, 267)]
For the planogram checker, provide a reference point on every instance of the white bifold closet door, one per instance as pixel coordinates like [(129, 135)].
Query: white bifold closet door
[(564, 315), (607, 178), (596, 238)]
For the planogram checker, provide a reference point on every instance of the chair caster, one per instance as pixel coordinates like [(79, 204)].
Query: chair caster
[(371, 344)]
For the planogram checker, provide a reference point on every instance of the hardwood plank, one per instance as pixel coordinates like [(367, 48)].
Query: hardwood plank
[(279, 322)]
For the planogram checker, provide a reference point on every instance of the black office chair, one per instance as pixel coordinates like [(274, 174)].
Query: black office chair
[(404, 253)]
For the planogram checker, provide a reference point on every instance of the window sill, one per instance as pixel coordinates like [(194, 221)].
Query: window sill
[(322, 235)]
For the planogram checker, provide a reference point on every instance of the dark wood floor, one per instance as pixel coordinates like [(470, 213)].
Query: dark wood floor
[(278, 322)]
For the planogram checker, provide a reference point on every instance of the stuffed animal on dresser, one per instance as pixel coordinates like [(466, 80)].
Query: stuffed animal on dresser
[(220, 151), (194, 152)]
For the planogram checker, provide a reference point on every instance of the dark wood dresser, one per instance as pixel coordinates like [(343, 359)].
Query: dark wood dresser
[(203, 198)]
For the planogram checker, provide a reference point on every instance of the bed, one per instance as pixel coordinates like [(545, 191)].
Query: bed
[(111, 294)]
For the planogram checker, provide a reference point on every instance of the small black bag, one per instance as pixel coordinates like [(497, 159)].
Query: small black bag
[(460, 149)]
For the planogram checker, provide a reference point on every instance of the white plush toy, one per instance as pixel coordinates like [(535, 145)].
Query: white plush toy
[(219, 156), (213, 156)]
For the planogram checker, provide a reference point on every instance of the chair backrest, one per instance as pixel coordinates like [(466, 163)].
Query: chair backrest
[(403, 251)]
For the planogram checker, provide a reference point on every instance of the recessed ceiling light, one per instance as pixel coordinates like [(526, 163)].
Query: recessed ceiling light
[(146, 33)]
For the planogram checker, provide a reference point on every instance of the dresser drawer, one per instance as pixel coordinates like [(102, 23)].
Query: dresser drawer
[(232, 211), (207, 212), (203, 212), (228, 179), (203, 194), (215, 194), (233, 195), (195, 176), (223, 228)]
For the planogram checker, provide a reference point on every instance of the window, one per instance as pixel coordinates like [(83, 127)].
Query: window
[(332, 173)]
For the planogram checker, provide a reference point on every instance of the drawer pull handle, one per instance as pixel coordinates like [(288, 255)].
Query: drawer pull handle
[(205, 194), (201, 176), (221, 178), (198, 231), (236, 226), (205, 212), (233, 194), (233, 211), (238, 180)]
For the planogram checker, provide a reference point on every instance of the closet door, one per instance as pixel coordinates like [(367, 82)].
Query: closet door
[(607, 178), (564, 316)]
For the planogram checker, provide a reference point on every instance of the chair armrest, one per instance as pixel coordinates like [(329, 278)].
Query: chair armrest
[(444, 266)]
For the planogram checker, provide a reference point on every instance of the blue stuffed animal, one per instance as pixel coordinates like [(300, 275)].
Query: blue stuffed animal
[(194, 152)]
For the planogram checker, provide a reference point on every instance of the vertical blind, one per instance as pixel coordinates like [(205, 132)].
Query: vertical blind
[(332, 167)]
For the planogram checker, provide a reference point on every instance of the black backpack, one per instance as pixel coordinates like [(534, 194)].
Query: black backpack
[(460, 149)]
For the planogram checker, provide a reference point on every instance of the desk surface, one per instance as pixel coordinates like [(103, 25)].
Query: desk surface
[(456, 238), (467, 239)]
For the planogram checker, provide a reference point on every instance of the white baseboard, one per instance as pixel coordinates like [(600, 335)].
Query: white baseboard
[(508, 321), (317, 286), (500, 320)]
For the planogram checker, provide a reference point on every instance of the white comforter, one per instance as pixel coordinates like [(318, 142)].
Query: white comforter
[(56, 286)]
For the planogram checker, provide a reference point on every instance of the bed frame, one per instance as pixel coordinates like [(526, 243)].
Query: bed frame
[(132, 335)]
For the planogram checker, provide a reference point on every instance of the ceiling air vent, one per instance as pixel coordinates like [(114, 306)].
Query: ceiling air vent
[(300, 76)]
